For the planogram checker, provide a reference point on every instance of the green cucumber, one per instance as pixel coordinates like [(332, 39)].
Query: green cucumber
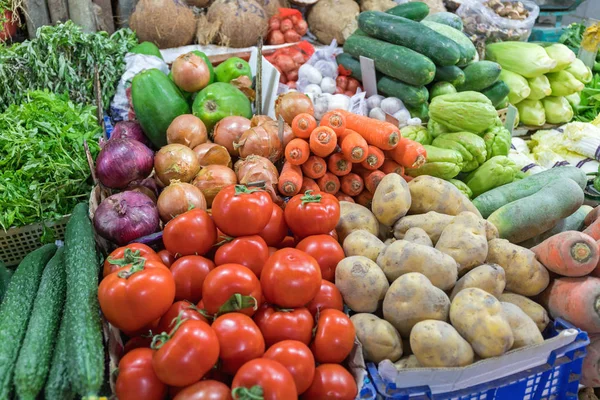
[(395, 61), (410, 95), (480, 75), (414, 35), (148, 49), (349, 64), (5, 275), (415, 10), (157, 101), (503, 104), (451, 74), (16, 310), (530, 216), (35, 355), (58, 385), (496, 93), (440, 88), (82, 312), (466, 47), (421, 112), (446, 18), (573, 222), (491, 201)]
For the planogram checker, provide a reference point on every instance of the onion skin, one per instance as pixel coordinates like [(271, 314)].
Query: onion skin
[(122, 161), (258, 169), (190, 72), (176, 162), (262, 140), (178, 198), (131, 130), (290, 104), (188, 130), (212, 154), (228, 130), (125, 217), (258, 120), (211, 179), (147, 186)]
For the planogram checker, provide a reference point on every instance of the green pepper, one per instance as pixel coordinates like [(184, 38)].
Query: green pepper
[(220, 100), (231, 69)]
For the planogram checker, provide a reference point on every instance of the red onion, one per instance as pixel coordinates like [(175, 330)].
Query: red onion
[(131, 130), (126, 216), (147, 186), (228, 130), (122, 161)]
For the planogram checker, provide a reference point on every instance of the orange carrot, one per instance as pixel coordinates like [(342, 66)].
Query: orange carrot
[(365, 198), (374, 160), (338, 165), (372, 180), (341, 196), (352, 184), (323, 141), (342, 136), (290, 180), (297, 151), (408, 153), (569, 253), (591, 217), (309, 184), (381, 134), (391, 166), (303, 124), (315, 167), (407, 178), (592, 223), (329, 183), (335, 120), (354, 147)]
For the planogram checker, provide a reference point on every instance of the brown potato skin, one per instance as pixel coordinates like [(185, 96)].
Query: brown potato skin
[(380, 341), (418, 236), (524, 328), (363, 243), (354, 217), (536, 312), (361, 282), (391, 200), (436, 344), (432, 222), (434, 194), (488, 277)]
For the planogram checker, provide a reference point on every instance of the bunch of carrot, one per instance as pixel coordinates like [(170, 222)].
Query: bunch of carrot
[(346, 155)]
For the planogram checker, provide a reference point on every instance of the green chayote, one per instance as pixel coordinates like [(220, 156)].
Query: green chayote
[(466, 111), (496, 171), (441, 163), (470, 146)]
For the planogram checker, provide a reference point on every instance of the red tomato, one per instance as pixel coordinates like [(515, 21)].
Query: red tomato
[(331, 382), (186, 356), (127, 255), (134, 297), (249, 251), (289, 241), (290, 278), (334, 337), (312, 214), (334, 235), (145, 330), (326, 250), (185, 309), (137, 342), (189, 273), (136, 379), (329, 296), (272, 251), (240, 341), (224, 282), (166, 257), (205, 390), (274, 379), (191, 233), (276, 230), (242, 211), (278, 325), (148, 264), (297, 358)]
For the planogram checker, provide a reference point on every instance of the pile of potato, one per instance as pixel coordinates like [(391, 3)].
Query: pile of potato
[(429, 279)]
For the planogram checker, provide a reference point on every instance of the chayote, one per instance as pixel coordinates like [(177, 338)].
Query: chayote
[(441, 163), (496, 171), (466, 111), (470, 146), (462, 187), (436, 129), (417, 133), (497, 141)]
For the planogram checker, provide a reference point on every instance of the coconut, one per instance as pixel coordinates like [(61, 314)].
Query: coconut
[(240, 22), (333, 19), (271, 7), (166, 23), (198, 3), (377, 5)]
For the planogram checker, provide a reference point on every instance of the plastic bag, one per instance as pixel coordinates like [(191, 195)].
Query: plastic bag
[(324, 61), (288, 60)]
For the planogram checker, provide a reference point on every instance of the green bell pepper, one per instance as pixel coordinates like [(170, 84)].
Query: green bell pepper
[(231, 69), (220, 100), (496, 171)]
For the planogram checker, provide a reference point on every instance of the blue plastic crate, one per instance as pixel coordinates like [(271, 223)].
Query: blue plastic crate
[(557, 378), (367, 392)]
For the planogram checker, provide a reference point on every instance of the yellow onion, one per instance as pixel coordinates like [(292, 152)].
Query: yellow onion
[(212, 154), (211, 179), (262, 140), (176, 162), (255, 169), (188, 130), (228, 130), (178, 198), (290, 104)]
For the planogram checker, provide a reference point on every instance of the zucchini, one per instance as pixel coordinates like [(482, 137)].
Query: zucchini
[(451, 74), (58, 385), (5, 275), (395, 61), (480, 75), (573, 222), (36, 352), (350, 64), (414, 35), (82, 312), (466, 47), (16, 309), (410, 95), (415, 10), (497, 93), (446, 18)]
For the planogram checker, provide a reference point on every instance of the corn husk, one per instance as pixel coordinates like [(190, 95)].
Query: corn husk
[(580, 71), (561, 54), (540, 88), (519, 88), (563, 83), (558, 110), (527, 59), (532, 112)]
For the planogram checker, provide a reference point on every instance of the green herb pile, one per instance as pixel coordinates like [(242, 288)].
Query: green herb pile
[(43, 165), (62, 59), (589, 106)]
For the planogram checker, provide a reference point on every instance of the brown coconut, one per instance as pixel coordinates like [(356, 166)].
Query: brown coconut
[(333, 19), (377, 5), (271, 7), (198, 3), (166, 23), (240, 22)]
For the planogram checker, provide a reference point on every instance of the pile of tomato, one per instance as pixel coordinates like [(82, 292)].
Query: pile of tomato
[(239, 305)]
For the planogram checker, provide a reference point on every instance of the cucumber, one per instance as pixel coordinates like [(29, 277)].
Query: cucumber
[(395, 61), (5, 275), (573, 222), (421, 112), (410, 95), (446, 18), (414, 10), (82, 312), (451, 74), (480, 75), (497, 93), (35, 355), (157, 101), (530, 216), (58, 385), (414, 35), (16, 310), (503, 104), (491, 201), (440, 88), (148, 49), (466, 47), (350, 64)]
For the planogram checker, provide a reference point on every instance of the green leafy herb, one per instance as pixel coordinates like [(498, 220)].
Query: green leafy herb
[(572, 36), (589, 107), (43, 166)]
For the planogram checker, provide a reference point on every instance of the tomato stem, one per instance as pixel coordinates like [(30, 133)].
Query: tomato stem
[(237, 302), (136, 266), (311, 198), (159, 340), (243, 393), (243, 189), (129, 257)]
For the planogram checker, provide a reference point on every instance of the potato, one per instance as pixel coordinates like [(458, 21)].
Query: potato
[(361, 282), (464, 240), (380, 341), (523, 328), (391, 199), (491, 232), (536, 312), (418, 236), (363, 243), (525, 275), (412, 299), (488, 277), (389, 241), (402, 257), (438, 344), (333, 19), (433, 223), (385, 232), (478, 317), (407, 362), (434, 194), (354, 217)]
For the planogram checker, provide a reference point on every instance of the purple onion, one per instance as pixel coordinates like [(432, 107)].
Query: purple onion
[(122, 161), (125, 217), (130, 129)]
